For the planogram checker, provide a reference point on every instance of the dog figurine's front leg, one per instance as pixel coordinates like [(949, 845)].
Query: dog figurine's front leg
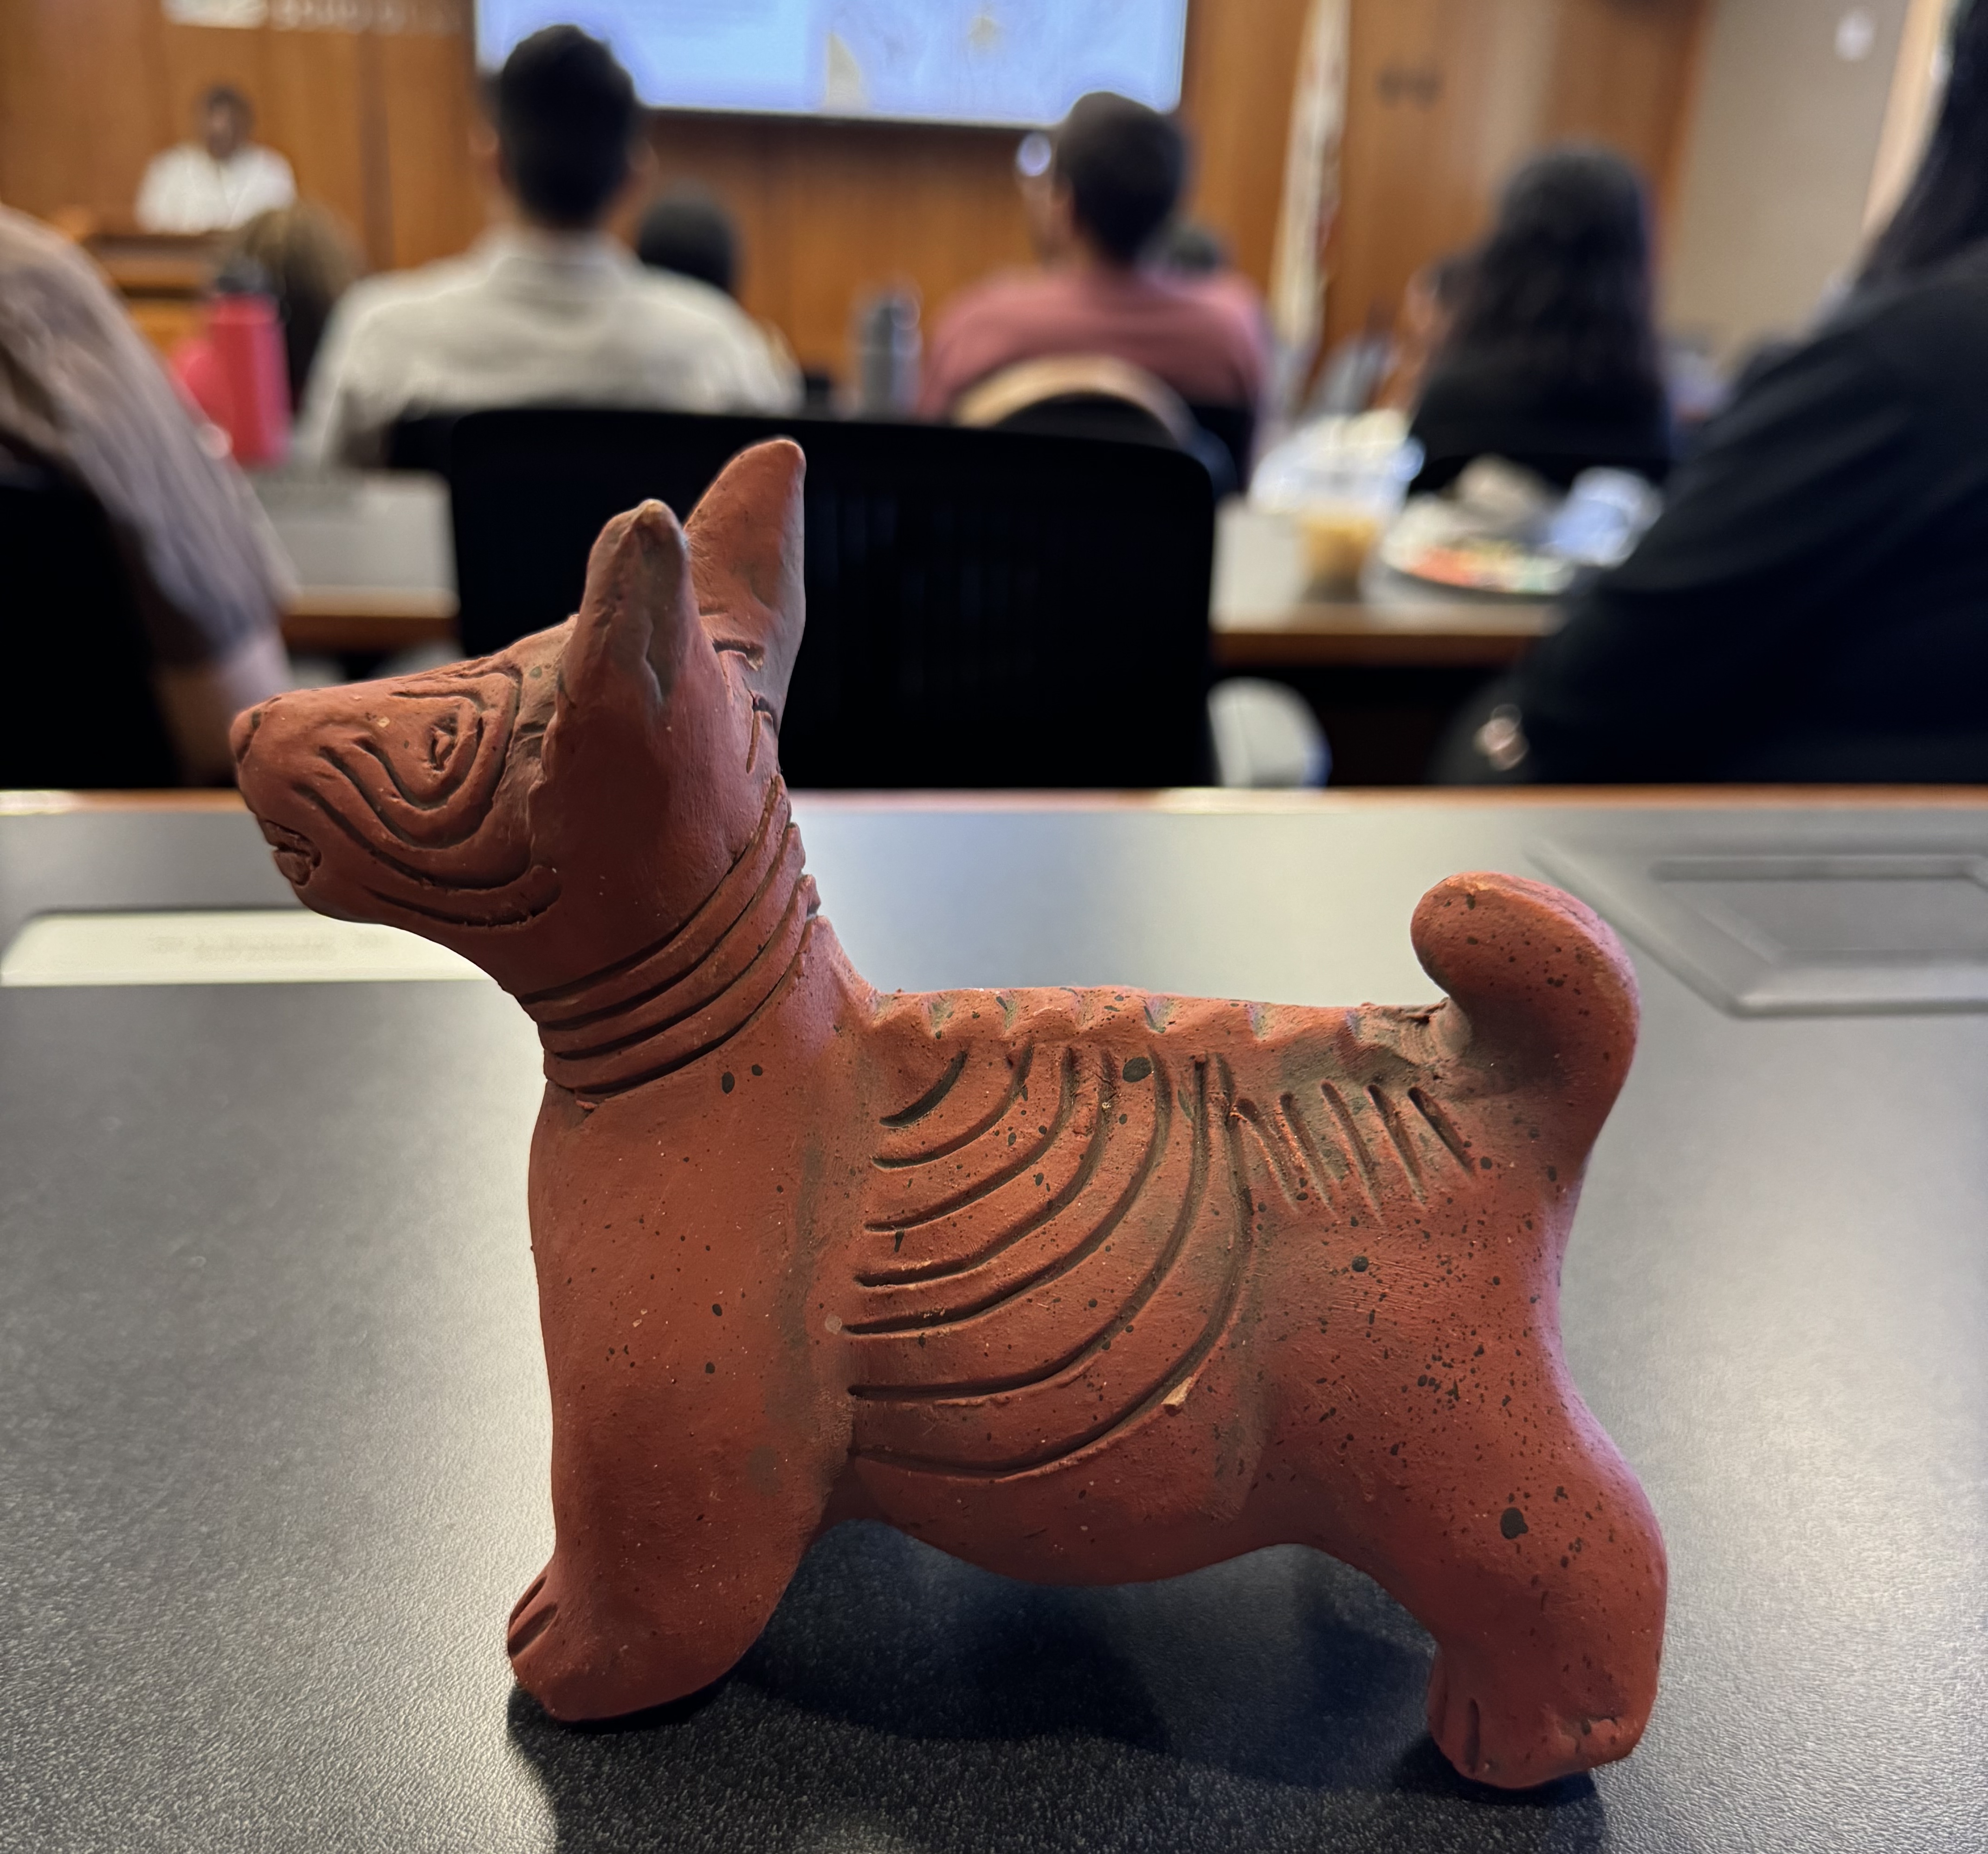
[(694, 1446)]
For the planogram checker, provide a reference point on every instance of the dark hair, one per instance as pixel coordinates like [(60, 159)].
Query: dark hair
[(308, 260), (687, 230), (225, 95), (1561, 289), (1444, 278), (565, 114), (1124, 165), (1945, 208), (1193, 250)]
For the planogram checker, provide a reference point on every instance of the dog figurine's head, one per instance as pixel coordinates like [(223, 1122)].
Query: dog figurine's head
[(551, 809)]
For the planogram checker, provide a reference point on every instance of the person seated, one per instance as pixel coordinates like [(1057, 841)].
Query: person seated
[(547, 308), (686, 232), (1809, 605), (1113, 179), (82, 396), (303, 260), (1552, 360), (309, 261), (222, 180)]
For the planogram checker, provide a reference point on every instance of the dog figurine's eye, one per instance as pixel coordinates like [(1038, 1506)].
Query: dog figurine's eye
[(441, 743)]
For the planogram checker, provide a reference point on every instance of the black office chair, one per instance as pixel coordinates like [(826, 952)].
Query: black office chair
[(984, 609), (1093, 396), (422, 442), (1233, 427), (81, 714)]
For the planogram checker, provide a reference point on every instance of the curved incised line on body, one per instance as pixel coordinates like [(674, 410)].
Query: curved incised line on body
[(1057, 1266), (1287, 1164), (1025, 1157), (450, 835), (680, 999), (482, 759), (929, 1100), (1323, 1164), (946, 1267), (453, 884), (514, 914), (681, 993), (1362, 1161), (1017, 1080), (468, 690), (1100, 1432), (1397, 1136), (467, 753), (688, 1038), (1440, 1124), (685, 947)]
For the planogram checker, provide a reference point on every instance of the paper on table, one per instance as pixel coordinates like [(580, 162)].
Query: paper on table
[(233, 946)]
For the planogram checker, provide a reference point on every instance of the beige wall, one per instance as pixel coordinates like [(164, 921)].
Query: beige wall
[(1777, 165)]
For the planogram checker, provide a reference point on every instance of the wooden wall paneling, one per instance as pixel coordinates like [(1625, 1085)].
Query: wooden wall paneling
[(81, 111), (309, 101), (828, 212), (1428, 86), (1235, 99), (1621, 75), (426, 108)]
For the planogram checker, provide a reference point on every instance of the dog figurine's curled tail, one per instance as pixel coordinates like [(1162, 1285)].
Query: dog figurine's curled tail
[(1084, 1287)]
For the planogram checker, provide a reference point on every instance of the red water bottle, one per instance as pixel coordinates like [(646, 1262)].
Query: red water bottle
[(237, 376)]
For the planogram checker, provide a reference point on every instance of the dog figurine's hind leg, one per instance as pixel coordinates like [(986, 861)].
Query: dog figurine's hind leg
[(1081, 1286)]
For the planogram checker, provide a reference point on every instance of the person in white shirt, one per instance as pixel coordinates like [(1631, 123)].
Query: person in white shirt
[(222, 180), (546, 308)]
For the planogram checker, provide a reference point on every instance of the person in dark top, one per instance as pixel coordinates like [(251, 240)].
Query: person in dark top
[(1552, 360), (687, 230), (1812, 603)]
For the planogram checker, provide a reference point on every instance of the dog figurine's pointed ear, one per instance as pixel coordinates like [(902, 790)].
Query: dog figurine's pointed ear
[(636, 630), (746, 559)]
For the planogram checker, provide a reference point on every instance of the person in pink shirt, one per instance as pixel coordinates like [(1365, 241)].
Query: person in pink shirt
[(1114, 181)]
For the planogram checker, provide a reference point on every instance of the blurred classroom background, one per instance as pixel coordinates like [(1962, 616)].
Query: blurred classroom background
[(1347, 162)]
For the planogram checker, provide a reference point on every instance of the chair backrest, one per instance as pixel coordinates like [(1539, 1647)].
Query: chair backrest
[(1234, 428), (422, 442), (1146, 408), (1095, 396), (984, 609), (84, 715)]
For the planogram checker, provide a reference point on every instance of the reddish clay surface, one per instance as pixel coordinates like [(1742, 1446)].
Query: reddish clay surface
[(1084, 1287)]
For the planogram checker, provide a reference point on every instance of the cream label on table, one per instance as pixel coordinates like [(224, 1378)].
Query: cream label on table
[(221, 946)]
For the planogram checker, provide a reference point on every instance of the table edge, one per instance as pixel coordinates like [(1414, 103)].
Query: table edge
[(1194, 800)]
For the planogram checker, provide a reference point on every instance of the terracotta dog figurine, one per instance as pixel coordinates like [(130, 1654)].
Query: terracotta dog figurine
[(1084, 1287)]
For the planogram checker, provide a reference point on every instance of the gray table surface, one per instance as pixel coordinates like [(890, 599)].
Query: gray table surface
[(273, 1421)]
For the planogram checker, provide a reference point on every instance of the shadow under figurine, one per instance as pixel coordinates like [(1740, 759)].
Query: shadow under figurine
[(1084, 1287)]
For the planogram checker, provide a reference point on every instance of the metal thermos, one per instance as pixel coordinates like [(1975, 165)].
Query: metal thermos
[(887, 351)]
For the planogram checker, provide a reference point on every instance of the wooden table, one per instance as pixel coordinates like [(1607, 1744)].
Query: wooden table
[(273, 1428), (1263, 622), (373, 557), (1372, 634)]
